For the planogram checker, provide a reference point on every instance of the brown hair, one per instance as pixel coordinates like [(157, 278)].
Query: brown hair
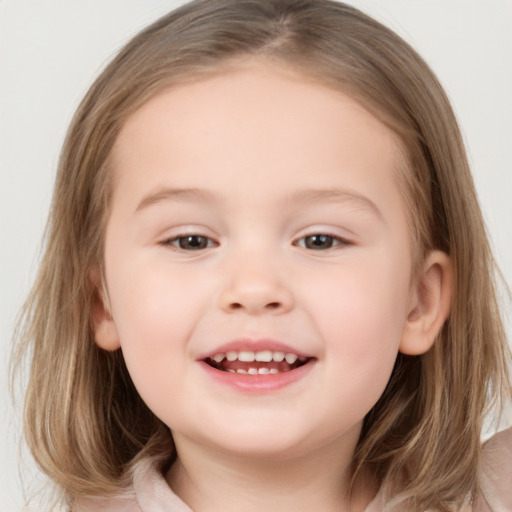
[(85, 423)]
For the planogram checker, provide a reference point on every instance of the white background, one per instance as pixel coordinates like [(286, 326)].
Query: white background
[(50, 51)]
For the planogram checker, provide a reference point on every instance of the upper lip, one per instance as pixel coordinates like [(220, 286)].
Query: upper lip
[(253, 345)]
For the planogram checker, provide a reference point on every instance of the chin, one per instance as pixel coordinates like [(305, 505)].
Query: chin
[(273, 442)]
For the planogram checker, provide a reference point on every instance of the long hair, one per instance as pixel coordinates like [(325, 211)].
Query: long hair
[(84, 421)]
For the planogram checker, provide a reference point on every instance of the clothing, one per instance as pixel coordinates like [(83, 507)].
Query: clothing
[(150, 492)]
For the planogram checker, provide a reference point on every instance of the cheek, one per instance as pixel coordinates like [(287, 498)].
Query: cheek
[(362, 319), (154, 313), (151, 301)]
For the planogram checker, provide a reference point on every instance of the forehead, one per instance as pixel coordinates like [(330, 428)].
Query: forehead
[(253, 120), (213, 115)]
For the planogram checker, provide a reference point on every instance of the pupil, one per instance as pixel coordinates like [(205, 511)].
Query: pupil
[(319, 242), (193, 242)]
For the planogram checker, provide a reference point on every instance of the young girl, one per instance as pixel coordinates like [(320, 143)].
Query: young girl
[(267, 283)]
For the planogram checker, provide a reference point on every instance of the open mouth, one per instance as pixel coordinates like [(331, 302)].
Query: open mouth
[(266, 362)]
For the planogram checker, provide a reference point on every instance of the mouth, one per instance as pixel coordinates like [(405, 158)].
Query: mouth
[(264, 362)]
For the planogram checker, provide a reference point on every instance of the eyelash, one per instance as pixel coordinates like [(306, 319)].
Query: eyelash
[(198, 242), (333, 240), (176, 242)]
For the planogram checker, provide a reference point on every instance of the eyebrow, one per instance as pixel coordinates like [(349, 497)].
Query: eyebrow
[(176, 194), (336, 196), (302, 197)]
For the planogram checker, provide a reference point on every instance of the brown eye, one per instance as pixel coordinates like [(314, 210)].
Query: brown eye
[(191, 242), (319, 242)]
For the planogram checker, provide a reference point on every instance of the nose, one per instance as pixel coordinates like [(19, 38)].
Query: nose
[(255, 290)]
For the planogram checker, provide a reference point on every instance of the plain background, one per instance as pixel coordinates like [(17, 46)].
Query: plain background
[(50, 51)]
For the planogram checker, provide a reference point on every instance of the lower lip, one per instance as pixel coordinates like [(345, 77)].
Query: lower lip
[(264, 383)]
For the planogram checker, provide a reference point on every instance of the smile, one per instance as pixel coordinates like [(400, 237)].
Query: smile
[(256, 366), (264, 362)]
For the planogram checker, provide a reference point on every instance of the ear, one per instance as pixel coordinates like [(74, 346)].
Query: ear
[(104, 328), (429, 305)]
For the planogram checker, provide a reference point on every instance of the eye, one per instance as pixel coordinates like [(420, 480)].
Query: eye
[(190, 242), (320, 242)]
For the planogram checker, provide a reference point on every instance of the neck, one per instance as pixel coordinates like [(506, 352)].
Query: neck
[(209, 481)]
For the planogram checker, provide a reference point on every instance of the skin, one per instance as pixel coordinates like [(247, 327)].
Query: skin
[(257, 144)]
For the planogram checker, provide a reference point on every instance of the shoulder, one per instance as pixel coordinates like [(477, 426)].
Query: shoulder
[(496, 474), (149, 492), (126, 503), (495, 480)]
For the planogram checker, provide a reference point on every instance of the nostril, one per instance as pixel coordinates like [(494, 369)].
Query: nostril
[(270, 306)]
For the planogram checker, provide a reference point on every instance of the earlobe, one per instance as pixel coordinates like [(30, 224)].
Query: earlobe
[(103, 325), (429, 305)]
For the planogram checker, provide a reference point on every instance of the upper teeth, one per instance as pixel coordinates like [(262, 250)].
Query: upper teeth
[(263, 356)]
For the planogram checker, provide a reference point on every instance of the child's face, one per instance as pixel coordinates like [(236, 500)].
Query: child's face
[(257, 211)]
